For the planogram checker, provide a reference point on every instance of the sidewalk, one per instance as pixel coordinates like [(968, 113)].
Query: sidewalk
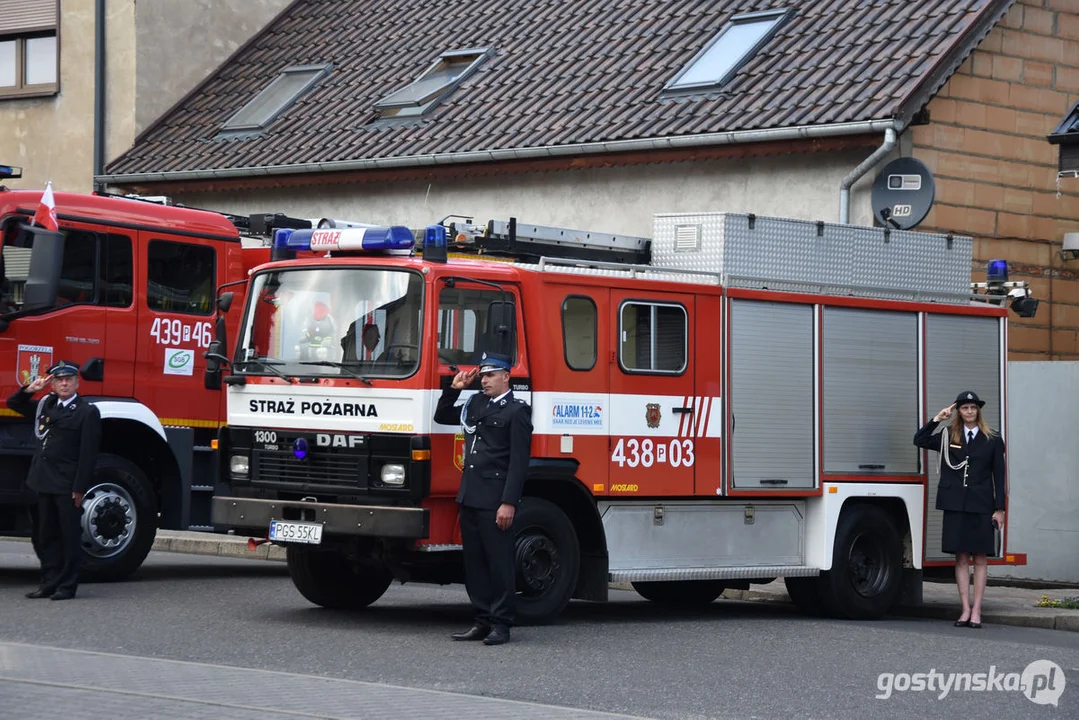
[(1003, 605)]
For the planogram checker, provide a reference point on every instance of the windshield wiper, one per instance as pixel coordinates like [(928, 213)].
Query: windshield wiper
[(268, 364), (342, 366)]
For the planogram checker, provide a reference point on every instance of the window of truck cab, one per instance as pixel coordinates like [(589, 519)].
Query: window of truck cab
[(96, 268), (333, 322)]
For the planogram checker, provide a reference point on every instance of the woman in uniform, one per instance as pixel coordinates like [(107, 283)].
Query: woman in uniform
[(971, 493)]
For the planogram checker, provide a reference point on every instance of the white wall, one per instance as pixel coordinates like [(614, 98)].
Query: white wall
[(612, 199), (1043, 467)]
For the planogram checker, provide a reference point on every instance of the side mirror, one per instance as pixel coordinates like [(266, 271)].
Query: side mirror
[(211, 379), (501, 327), (93, 370), (224, 302), (46, 261)]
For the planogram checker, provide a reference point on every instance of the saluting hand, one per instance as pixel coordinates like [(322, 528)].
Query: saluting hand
[(464, 378), (40, 384), (945, 414)]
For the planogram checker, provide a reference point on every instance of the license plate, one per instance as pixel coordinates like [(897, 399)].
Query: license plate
[(296, 532)]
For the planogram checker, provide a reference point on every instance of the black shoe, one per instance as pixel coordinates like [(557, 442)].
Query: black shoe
[(476, 632), (962, 623), (498, 636), (976, 626), (63, 595), (40, 593)]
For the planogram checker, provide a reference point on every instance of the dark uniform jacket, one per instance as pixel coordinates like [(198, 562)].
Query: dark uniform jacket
[(65, 458), (498, 441), (985, 474)]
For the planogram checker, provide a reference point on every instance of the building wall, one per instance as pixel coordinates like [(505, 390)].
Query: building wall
[(172, 57), (610, 199), (52, 138), (1043, 497), (153, 59), (997, 174)]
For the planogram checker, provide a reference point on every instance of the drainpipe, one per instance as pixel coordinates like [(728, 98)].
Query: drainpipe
[(866, 166), (99, 94)]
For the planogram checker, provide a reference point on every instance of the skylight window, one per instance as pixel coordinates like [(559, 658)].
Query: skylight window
[(274, 99), (433, 84), (735, 44)]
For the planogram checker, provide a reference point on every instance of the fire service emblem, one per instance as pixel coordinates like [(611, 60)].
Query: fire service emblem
[(652, 416), (33, 362), (459, 451)]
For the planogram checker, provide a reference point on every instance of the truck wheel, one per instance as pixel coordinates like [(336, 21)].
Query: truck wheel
[(328, 579), (547, 557), (119, 520), (867, 565), (681, 592), (804, 594)]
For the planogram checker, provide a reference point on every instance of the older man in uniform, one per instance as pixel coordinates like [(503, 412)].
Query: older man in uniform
[(498, 440), (69, 430)]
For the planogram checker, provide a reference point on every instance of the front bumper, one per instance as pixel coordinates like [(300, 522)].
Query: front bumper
[(359, 520)]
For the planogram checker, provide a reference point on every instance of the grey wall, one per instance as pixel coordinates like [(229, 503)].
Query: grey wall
[(179, 42), (611, 199), (1043, 466)]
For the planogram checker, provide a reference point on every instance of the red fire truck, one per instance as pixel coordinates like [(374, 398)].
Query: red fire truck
[(126, 289), (731, 401)]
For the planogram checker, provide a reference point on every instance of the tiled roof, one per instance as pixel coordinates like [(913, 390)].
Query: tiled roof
[(563, 72)]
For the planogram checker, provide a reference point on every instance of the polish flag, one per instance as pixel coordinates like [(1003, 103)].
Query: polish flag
[(46, 210)]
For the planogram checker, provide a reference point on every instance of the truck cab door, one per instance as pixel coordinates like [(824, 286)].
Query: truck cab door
[(654, 410), (175, 326)]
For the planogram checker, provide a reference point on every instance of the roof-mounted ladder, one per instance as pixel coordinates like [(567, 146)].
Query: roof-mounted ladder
[(531, 242)]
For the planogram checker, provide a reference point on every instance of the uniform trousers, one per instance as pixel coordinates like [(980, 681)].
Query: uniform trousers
[(58, 541), (490, 575)]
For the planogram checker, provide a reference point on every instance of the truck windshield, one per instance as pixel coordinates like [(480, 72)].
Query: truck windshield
[(339, 322)]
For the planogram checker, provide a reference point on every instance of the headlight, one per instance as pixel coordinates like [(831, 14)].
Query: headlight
[(238, 464), (393, 475)]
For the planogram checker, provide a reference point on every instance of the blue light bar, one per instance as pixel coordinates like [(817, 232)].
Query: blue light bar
[(997, 271), (9, 171), (371, 239)]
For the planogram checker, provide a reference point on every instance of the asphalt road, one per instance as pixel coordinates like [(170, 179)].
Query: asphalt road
[(730, 660)]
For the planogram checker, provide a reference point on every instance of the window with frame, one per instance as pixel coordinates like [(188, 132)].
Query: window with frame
[(180, 277), (273, 100), (735, 45), (579, 331), (465, 319), (653, 338), (29, 51), (439, 79)]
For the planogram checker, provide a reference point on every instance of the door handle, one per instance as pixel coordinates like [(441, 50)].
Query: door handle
[(682, 410), (773, 481)]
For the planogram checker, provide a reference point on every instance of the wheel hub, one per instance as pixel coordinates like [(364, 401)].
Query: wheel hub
[(108, 520), (868, 573), (538, 563)]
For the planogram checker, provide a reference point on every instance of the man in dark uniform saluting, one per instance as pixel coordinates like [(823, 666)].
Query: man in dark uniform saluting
[(498, 440), (69, 431)]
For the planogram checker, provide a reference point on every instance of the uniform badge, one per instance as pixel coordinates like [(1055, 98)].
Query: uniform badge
[(459, 451), (652, 415)]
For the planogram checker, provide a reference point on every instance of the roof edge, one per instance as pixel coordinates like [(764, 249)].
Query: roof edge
[(956, 55), (734, 137)]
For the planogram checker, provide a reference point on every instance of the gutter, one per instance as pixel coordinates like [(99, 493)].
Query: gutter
[(801, 132), (99, 94), (866, 166)]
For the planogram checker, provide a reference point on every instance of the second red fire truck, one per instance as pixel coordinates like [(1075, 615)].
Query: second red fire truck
[(731, 401)]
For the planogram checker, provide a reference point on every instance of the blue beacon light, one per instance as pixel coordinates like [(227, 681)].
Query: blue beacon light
[(997, 271), (370, 239), (299, 448), (434, 243)]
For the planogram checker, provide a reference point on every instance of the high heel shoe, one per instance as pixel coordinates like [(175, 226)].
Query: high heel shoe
[(963, 623)]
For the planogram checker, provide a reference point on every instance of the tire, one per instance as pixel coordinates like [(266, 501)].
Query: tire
[(547, 557), (805, 594), (329, 580), (867, 565), (119, 520), (685, 593)]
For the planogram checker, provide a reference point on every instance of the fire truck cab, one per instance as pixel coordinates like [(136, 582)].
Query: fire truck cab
[(128, 290), (730, 401)]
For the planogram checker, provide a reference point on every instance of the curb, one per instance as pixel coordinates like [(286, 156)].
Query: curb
[(217, 545), (1066, 622)]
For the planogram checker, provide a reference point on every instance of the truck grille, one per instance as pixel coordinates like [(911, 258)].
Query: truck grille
[(340, 469)]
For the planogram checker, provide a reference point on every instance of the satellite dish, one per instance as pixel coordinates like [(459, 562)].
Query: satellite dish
[(903, 193)]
